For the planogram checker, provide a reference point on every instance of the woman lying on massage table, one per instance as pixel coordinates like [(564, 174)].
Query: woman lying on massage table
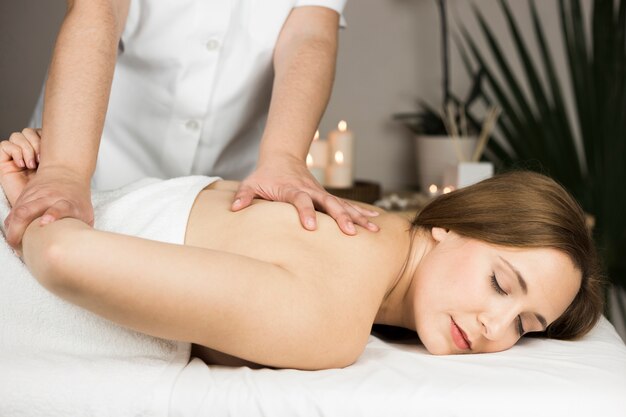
[(477, 269)]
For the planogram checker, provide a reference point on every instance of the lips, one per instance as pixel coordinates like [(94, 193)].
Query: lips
[(459, 337)]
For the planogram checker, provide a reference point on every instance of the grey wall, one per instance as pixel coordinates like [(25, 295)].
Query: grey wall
[(388, 57), (28, 30)]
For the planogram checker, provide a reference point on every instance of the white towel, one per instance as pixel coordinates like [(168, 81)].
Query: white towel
[(57, 359)]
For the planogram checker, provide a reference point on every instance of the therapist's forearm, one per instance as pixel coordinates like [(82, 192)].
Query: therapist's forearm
[(78, 87), (304, 68)]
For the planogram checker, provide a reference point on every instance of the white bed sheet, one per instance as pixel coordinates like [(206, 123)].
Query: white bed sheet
[(537, 377)]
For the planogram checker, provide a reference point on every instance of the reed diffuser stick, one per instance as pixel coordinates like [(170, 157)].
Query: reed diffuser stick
[(463, 115), (485, 133), (454, 133)]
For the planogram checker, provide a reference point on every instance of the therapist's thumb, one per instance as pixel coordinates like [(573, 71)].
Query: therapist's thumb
[(64, 209), (59, 210), (243, 198)]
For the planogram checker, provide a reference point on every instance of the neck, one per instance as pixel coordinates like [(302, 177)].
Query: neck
[(397, 308)]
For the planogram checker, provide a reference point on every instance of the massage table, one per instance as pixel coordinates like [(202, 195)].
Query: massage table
[(57, 359)]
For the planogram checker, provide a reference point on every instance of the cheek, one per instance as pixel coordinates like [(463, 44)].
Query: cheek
[(498, 346), (453, 280)]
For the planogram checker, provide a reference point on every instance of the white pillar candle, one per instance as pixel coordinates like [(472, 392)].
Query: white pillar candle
[(319, 151), (342, 139), (317, 158), (318, 172), (433, 190), (339, 174)]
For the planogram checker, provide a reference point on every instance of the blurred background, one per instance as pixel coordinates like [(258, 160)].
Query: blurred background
[(389, 57), (555, 69)]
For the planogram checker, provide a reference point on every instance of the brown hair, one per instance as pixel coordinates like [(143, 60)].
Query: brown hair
[(527, 210)]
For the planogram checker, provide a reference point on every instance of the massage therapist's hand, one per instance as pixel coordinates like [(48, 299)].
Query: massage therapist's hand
[(54, 192), (291, 182)]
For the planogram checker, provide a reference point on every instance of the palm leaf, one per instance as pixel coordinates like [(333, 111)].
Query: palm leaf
[(537, 125), (558, 112), (560, 147), (510, 114)]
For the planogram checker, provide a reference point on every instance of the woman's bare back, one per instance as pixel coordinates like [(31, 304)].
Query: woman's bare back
[(356, 271)]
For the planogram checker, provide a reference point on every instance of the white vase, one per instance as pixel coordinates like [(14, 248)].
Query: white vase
[(436, 153)]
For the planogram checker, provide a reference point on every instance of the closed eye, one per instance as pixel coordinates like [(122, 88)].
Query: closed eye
[(520, 326), (496, 286), (499, 290)]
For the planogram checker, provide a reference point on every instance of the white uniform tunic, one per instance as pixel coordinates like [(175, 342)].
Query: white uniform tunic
[(191, 88)]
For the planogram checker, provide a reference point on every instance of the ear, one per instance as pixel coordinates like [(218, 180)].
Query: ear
[(439, 234)]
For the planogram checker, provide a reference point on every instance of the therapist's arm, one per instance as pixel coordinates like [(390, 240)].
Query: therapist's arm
[(304, 65), (75, 103)]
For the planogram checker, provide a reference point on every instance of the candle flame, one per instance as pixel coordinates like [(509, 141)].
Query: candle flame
[(433, 188), (446, 190), (339, 157), (309, 160), (317, 135), (343, 126)]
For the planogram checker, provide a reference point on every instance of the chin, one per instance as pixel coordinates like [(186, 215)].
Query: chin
[(434, 345), (438, 350)]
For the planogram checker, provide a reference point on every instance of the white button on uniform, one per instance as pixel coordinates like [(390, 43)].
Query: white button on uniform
[(192, 125), (212, 44)]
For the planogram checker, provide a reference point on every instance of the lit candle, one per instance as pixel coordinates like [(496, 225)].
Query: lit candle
[(342, 139), (341, 168), (319, 151), (317, 158), (339, 173), (318, 172), (432, 190)]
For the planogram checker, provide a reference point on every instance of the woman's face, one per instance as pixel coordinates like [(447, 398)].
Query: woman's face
[(473, 297)]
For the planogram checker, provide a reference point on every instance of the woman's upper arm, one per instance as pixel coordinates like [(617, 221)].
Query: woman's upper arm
[(244, 307)]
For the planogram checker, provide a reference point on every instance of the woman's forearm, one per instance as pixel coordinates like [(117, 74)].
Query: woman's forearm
[(231, 303)]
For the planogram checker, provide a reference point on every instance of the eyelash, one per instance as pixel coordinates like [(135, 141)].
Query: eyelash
[(499, 290)]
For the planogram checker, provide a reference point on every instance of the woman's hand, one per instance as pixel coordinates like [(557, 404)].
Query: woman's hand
[(19, 158), (33, 190), (291, 182)]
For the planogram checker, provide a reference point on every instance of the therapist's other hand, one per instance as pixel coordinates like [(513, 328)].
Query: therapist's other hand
[(291, 182), (53, 193)]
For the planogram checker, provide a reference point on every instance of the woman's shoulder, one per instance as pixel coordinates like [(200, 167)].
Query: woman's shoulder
[(224, 185), (359, 269)]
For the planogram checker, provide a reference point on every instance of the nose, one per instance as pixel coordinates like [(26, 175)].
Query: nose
[(495, 324)]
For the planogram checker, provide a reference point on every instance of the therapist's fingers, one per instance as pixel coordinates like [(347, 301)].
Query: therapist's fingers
[(363, 211), (356, 214), (59, 210), (20, 217), (305, 207), (335, 208), (243, 197), (345, 214)]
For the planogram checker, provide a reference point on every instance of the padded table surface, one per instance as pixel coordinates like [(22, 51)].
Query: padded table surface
[(537, 377)]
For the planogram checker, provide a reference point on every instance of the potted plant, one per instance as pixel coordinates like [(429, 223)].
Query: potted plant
[(443, 136), (538, 127)]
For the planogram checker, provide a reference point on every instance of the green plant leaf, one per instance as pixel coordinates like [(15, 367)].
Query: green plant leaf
[(520, 147), (562, 139), (538, 126)]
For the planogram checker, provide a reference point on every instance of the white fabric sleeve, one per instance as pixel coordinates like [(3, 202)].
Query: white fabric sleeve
[(336, 5)]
